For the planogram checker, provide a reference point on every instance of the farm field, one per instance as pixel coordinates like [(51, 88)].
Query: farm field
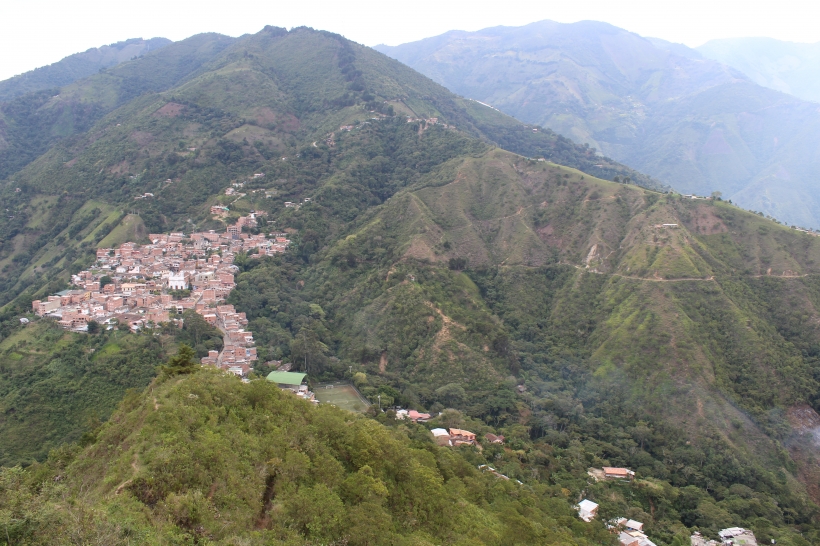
[(341, 396)]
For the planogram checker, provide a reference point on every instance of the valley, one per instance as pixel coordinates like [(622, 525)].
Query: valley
[(435, 252)]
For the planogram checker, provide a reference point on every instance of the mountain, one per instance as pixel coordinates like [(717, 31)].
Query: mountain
[(784, 66), (33, 122), (694, 123), (443, 264), (183, 122), (78, 66)]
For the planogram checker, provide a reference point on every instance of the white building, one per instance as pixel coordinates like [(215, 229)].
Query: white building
[(176, 281), (587, 510)]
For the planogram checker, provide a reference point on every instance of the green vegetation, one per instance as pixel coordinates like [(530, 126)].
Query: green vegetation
[(210, 460), (54, 385), (433, 270)]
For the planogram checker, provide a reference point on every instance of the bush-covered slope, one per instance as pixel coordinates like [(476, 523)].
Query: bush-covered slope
[(699, 319), (208, 459), (78, 66), (56, 385)]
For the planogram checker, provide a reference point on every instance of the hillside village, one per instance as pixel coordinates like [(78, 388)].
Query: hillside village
[(140, 286)]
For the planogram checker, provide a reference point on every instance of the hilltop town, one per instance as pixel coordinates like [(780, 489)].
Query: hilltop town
[(141, 286)]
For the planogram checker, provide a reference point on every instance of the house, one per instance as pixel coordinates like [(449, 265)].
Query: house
[(24, 320), (417, 417), (634, 538), (612, 473), (630, 524), (441, 437), (587, 510), (737, 536), (459, 437), (493, 439)]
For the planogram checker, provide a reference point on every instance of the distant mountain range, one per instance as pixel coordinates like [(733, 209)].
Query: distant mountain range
[(661, 108), (785, 66), (78, 66)]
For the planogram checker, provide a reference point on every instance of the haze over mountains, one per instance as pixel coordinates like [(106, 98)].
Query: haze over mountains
[(661, 108), (789, 67), (434, 262)]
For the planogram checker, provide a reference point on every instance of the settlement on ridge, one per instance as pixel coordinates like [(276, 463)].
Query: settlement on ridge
[(141, 286)]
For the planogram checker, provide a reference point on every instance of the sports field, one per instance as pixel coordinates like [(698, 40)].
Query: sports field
[(341, 396)]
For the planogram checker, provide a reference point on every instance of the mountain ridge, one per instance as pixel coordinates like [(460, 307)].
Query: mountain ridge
[(77, 66), (437, 271), (689, 121), (777, 64)]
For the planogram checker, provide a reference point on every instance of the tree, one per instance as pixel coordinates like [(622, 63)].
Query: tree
[(184, 362), (104, 280), (93, 327)]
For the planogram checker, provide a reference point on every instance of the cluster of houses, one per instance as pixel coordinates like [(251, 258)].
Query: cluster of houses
[(131, 286), (455, 437), (630, 532), (294, 205), (412, 415), (238, 348), (429, 121)]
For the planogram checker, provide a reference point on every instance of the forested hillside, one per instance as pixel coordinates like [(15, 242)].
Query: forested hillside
[(271, 468), (450, 258)]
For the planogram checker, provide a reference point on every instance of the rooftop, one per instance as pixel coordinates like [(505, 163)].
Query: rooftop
[(286, 378)]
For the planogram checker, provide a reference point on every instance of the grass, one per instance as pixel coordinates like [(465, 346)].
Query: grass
[(340, 396), (130, 229)]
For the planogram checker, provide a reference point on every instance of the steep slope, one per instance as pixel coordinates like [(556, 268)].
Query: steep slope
[(261, 98), (691, 122), (33, 122), (209, 459), (267, 103), (78, 66), (494, 266), (530, 296), (788, 67)]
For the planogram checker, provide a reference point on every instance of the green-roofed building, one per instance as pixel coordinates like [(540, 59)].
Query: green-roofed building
[(287, 379)]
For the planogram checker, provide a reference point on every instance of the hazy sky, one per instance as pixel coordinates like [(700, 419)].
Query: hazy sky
[(35, 32)]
